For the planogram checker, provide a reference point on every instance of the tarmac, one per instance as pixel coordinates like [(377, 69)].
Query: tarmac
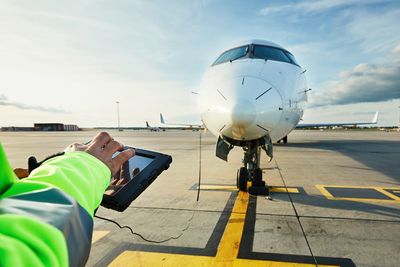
[(335, 202)]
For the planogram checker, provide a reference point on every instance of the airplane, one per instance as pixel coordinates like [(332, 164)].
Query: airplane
[(181, 126), (252, 95), (334, 124), (153, 129), (354, 124)]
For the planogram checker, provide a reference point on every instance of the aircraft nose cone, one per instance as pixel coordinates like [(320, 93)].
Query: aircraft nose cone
[(243, 113)]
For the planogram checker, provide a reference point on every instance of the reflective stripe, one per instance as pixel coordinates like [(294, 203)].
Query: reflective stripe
[(56, 208)]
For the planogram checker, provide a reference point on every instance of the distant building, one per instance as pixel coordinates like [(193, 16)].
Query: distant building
[(71, 127), (17, 129), (42, 127), (48, 126), (55, 127)]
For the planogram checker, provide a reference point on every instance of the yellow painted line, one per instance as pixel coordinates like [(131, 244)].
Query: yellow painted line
[(386, 193), (272, 189), (227, 252), (292, 190), (98, 235), (229, 246), (138, 258), (325, 192), (218, 187)]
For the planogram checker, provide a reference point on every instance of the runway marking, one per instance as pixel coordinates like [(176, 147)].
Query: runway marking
[(291, 190), (227, 252), (272, 189), (97, 235), (383, 194)]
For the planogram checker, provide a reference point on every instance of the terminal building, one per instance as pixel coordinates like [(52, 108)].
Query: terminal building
[(55, 127), (43, 127)]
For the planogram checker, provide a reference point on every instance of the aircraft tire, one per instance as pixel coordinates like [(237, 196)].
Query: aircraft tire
[(241, 180)]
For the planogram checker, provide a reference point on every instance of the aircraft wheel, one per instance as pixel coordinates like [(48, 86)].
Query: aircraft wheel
[(258, 176), (284, 139), (241, 180)]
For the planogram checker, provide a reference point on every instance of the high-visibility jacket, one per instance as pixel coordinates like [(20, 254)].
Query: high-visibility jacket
[(47, 218)]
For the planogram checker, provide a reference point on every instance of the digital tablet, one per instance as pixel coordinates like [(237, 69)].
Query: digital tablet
[(134, 177)]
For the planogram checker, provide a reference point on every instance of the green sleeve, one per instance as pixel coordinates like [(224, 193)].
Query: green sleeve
[(25, 241), (79, 174), (47, 218)]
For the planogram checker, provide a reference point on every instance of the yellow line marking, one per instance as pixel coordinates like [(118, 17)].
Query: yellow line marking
[(275, 189), (226, 254), (229, 246), (272, 189), (98, 235), (386, 193), (217, 187), (382, 190)]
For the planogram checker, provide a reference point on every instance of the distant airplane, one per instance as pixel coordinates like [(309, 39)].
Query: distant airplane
[(153, 129), (180, 126), (354, 124), (253, 94)]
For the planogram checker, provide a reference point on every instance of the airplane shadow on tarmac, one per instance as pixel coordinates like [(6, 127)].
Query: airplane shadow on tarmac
[(321, 201), (381, 156)]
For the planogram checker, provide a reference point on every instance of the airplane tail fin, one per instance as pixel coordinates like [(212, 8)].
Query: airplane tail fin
[(375, 118), (162, 119), (147, 124)]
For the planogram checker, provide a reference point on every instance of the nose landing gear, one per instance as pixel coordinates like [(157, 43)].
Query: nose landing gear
[(251, 172)]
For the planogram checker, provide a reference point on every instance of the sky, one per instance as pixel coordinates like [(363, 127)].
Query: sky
[(70, 61)]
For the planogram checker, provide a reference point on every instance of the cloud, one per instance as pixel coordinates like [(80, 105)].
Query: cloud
[(4, 102), (313, 6), (396, 50), (364, 84)]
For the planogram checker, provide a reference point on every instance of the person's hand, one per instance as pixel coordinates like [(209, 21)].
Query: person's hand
[(103, 146)]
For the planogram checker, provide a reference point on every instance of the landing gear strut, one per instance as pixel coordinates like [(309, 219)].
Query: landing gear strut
[(251, 171)]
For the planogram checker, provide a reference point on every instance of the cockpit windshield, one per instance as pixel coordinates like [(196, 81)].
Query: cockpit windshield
[(232, 55), (272, 53), (257, 51)]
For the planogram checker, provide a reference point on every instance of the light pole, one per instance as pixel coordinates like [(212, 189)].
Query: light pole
[(398, 126), (119, 128)]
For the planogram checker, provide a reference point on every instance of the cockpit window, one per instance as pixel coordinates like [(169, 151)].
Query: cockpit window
[(294, 61), (270, 53), (273, 53), (231, 55)]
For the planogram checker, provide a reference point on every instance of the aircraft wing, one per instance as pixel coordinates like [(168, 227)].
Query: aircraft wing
[(307, 125)]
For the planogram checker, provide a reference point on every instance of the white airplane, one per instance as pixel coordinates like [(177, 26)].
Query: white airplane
[(152, 128), (180, 126), (253, 94)]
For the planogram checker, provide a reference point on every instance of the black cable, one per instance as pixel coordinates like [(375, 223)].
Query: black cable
[(172, 237), (146, 239), (297, 215), (199, 184)]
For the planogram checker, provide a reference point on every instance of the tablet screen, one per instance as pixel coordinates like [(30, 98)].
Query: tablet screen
[(129, 170)]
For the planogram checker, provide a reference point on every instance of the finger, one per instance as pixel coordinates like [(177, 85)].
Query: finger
[(112, 147), (101, 139), (21, 173), (120, 159)]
